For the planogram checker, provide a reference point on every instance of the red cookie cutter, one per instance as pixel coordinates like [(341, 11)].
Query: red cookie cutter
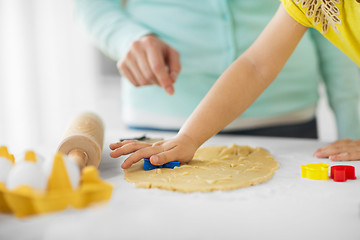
[(341, 173)]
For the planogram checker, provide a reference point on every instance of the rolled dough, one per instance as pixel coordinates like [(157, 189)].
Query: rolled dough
[(212, 168)]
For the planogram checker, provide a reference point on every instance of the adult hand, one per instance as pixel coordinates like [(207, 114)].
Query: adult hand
[(180, 148), (151, 61), (341, 150)]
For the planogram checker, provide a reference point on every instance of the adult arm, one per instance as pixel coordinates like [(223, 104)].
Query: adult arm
[(109, 25), (142, 58)]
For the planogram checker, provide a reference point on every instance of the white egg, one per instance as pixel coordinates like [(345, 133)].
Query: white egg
[(47, 167), (72, 169), (73, 172), (19, 158), (26, 173), (5, 167)]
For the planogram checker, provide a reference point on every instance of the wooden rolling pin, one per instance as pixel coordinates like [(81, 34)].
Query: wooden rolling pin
[(83, 140)]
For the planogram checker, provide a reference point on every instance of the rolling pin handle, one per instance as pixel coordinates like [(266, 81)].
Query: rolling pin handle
[(80, 157)]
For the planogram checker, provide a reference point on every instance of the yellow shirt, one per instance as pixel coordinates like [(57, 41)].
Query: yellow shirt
[(337, 20)]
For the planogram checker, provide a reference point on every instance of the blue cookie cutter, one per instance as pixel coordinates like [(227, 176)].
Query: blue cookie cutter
[(148, 166)]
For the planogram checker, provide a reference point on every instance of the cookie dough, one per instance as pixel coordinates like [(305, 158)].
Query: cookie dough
[(212, 168)]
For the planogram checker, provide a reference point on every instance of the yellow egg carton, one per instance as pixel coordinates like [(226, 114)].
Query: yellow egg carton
[(59, 195)]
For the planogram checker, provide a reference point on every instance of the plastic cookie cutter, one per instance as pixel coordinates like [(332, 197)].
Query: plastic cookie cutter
[(148, 166), (341, 173), (315, 171)]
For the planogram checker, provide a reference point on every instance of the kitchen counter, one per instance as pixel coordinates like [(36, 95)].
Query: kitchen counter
[(285, 207)]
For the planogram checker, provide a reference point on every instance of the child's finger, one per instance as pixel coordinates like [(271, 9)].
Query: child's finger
[(140, 154), (325, 153), (168, 156), (336, 144), (116, 145), (320, 154), (332, 150), (161, 158), (346, 156), (129, 148), (164, 157)]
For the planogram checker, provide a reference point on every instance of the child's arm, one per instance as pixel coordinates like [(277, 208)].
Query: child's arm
[(240, 85), (231, 95)]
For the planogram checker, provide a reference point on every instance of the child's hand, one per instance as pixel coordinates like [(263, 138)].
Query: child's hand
[(341, 150), (181, 148)]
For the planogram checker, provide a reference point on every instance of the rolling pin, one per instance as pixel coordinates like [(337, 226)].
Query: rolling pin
[(83, 140)]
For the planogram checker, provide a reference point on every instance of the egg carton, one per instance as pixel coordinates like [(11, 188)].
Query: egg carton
[(25, 200)]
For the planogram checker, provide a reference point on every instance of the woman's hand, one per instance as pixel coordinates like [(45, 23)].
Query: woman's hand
[(181, 148), (341, 150), (151, 61)]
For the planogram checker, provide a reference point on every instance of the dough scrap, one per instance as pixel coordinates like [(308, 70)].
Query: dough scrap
[(212, 168)]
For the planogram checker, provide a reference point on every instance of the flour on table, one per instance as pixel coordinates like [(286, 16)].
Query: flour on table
[(212, 168)]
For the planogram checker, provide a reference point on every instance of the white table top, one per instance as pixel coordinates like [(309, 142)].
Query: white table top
[(286, 207)]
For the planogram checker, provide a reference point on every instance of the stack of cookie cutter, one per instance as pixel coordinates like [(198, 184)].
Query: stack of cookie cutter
[(320, 171)]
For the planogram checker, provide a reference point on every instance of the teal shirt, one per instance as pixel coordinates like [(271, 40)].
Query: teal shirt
[(210, 35)]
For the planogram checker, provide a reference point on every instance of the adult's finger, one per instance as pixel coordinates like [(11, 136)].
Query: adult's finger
[(157, 64), (133, 66), (144, 66), (173, 63), (125, 71)]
